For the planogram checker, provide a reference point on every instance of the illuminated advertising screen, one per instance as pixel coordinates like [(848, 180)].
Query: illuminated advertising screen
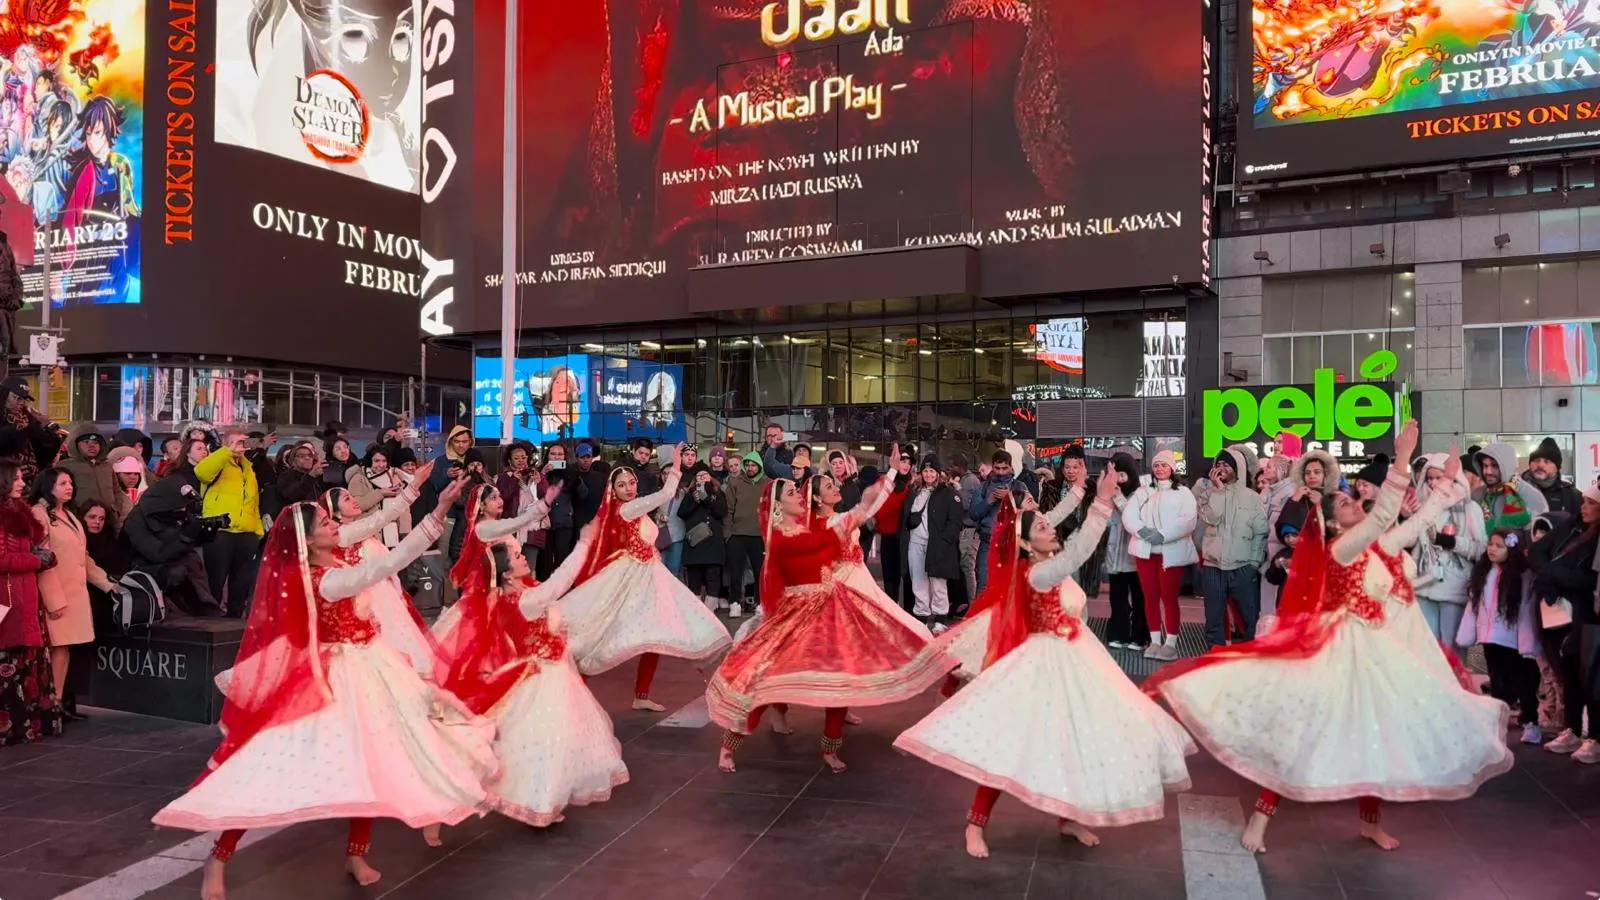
[(1347, 85), (580, 395), (1067, 140), (72, 142)]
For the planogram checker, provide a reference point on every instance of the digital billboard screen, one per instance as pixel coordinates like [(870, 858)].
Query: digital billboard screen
[(1360, 83), (580, 395), (1067, 139)]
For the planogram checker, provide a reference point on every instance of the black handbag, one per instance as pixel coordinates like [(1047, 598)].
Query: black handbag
[(698, 534)]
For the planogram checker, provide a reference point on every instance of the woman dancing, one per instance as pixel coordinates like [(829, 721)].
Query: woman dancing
[(624, 602), (821, 642), (1052, 719), (484, 527), (324, 718), (1354, 707), (508, 661)]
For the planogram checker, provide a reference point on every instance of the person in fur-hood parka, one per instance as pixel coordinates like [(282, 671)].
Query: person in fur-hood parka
[(1308, 494), (1447, 549)]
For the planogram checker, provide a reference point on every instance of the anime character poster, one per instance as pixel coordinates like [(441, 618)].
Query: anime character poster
[(71, 141), (1450, 78), (329, 83)]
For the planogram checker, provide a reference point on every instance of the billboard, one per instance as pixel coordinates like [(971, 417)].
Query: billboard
[(580, 395), (1361, 83), (336, 85), (71, 142), (669, 137)]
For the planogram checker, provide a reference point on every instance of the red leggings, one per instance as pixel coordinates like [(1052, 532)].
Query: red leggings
[(358, 843), (1160, 587), (832, 727), (646, 674), (983, 804), (1267, 804)]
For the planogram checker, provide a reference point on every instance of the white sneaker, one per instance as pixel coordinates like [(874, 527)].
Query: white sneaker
[(1588, 753), (1118, 645), (1153, 651), (735, 610), (938, 628), (1531, 734), (1565, 742)]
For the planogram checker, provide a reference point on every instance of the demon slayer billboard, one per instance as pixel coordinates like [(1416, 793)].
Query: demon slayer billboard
[(1350, 85)]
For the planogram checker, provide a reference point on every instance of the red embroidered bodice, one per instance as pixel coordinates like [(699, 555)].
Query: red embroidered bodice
[(627, 540), (350, 556), (1045, 615), (803, 557), (1346, 588), (337, 622), (532, 638)]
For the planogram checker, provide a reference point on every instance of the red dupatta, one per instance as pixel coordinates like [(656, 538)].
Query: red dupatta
[(278, 677), (611, 534), (483, 656), (1304, 622), (1006, 592), (770, 585), (472, 549)]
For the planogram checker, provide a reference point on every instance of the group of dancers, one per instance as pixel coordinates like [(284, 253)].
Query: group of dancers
[(343, 704)]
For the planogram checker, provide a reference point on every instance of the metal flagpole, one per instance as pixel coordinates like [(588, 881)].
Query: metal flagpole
[(44, 326), (508, 233)]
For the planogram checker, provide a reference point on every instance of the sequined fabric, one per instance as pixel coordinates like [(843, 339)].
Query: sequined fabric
[(337, 623), (1045, 616), (1347, 588)]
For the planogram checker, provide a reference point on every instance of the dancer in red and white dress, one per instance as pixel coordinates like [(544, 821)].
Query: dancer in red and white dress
[(361, 538), (1052, 719), (484, 525), (508, 660), (324, 718), (1338, 702), (821, 642), (625, 603)]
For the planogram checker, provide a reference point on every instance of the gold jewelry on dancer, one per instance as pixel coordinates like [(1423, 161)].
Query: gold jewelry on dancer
[(361, 848), (731, 740), (831, 745)]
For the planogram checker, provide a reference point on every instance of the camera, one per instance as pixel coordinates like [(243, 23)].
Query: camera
[(214, 523)]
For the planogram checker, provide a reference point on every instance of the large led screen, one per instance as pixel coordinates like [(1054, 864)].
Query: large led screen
[(72, 142), (1065, 138), (580, 395), (1337, 86)]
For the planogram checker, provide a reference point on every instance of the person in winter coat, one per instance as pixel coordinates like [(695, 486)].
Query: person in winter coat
[(163, 537), (89, 466), (132, 481), (1127, 629), (1446, 551), (64, 587), (842, 468), (1564, 577), (560, 537), (984, 501), (886, 523), (299, 481), (29, 707), (590, 483), (1074, 472), (1544, 473), (1233, 546), (26, 436), (1161, 517), (228, 488), (704, 503), (1507, 501), (931, 528), (743, 526)]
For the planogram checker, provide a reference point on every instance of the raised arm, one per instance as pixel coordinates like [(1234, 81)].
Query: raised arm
[(494, 529), (537, 599), (857, 516), (1068, 505), (643, 506), (338, 584), (1415, 528), (372, 524), (1385, 511), (1084, 541)]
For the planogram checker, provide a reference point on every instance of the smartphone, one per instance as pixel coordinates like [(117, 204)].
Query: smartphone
[(558, 464)]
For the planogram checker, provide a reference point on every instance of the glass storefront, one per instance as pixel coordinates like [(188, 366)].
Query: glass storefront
[(160, 396)]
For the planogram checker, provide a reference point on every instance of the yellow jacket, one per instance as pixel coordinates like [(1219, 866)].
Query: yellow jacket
[(229, 486)]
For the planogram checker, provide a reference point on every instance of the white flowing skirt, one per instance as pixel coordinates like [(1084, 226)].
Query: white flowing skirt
[(1056, 724), (968, 641), (556, 747), (388, 746), (631, 608), (392, 611), (859, 577), (1363, 717)]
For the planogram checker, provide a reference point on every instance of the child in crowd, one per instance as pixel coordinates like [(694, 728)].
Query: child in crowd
[(1500, 616), (1278, 568)]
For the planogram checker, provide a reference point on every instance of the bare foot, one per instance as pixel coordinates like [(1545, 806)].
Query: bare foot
[(644, 703), (976, 845), (780, 722), (1254, 838), (834, 762), (1374, 832), (365, 875), (1084, 836), (852, 719), (725, 760), (211, 884), (430, 836)]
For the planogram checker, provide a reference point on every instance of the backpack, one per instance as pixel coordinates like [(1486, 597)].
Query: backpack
[(138, 602)]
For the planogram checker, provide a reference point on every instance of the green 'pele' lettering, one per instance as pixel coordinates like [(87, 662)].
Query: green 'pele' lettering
[(1328, 411)]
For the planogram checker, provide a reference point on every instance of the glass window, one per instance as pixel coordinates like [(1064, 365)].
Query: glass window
[(993, 375), (959, 357), (1338, 304), (902, 360), (275, 397), (108, 393), (1565, 354), (1307, 356), (735, 371), (1405, 357), (303, 400), (1275, 367), (330, 400), (806, 352), (1336, 355), (1519, 358), (1402, 299), (1557, 291), (1277, 306), (867, 350), (1113, 351), (1307, 305), (1480, 294), (1519, 293), (81, 382), (1481, 353)]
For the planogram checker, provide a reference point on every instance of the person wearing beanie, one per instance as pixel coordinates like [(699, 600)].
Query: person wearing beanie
[(717, 459), (744, 529), (931, 525), (1161, 516), (1233, 546), (1507, 500), (1127, 629), (1371, 477), (1564, 577), (842, 467), (1544, 473)]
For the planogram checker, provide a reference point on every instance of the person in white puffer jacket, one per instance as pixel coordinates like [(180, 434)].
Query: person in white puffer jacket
[(1446, 550), (1160, 519)]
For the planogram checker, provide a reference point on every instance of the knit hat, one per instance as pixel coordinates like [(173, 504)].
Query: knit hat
[(1547, 450), (1287, 528), (716, 451), (127, 465), (1164, 456), (1592, 493), (1227, 458), (1073, 451), (1375, 472), (932, 462)]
